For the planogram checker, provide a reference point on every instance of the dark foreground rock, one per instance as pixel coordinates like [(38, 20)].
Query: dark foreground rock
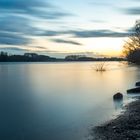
[(118, 96), (134, 90), (125, 127), (138, 84)]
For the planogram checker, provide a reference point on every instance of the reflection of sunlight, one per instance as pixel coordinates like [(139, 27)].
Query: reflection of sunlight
[(79, 80)]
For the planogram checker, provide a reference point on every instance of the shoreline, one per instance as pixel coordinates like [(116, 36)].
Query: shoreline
[(125, 127)]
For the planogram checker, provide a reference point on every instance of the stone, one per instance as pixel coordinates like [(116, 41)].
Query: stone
[(134, 90), (118, 96), (138, 84)]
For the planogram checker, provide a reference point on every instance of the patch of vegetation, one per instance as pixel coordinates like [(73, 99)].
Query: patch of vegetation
[(132, 46), (100, 67)]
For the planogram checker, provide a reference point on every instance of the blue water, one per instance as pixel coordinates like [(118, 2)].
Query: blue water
[(59, 101)]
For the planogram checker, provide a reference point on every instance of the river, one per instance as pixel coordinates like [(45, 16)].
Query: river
[(60, 101)]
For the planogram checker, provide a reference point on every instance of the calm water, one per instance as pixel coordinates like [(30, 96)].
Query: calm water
[(59, 101)]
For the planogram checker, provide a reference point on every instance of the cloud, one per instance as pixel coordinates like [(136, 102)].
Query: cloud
[(22, 49), (132, 11), (36, 8), (50, 33), (42, 48), (20, 5), (98, 21), (66, 41), (98, 33), (17, 19), (20, 25), (13, 49), (16, 24), (15, 30), (13, 39), (101, 3), (86, 33)]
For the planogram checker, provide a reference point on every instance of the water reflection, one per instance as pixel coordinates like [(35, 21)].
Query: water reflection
[(133, 96), (118, 104), (58, 101)]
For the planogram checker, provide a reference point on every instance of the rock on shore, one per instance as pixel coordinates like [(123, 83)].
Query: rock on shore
[(138, 84), (125, 127)]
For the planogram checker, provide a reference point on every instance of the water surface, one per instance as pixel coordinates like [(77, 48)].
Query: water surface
[(59, 101)]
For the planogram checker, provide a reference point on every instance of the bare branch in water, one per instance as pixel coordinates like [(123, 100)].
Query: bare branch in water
[(100, 67)]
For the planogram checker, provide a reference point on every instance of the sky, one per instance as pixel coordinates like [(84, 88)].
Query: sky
[(64, 27)]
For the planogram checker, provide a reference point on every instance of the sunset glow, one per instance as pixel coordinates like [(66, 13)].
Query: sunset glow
[(59, 27)]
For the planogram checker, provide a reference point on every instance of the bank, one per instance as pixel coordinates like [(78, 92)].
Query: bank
[(124, 127)]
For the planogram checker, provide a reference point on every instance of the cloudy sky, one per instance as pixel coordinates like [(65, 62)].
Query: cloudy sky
[(62, 27)]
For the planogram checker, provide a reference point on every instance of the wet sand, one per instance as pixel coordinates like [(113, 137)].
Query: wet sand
[(125, 127)]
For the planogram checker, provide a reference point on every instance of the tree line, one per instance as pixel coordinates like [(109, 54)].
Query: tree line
[(33, 57), (27, 57)]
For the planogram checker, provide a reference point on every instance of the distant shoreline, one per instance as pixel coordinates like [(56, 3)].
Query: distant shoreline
[(33, 57), (124, 127), (67, 61)]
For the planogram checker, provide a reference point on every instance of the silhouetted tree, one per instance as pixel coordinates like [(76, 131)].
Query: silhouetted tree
[(132, 45), (27, 57), (3, 56)]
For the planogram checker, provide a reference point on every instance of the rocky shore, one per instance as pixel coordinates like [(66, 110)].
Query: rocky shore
[(124, 127)]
